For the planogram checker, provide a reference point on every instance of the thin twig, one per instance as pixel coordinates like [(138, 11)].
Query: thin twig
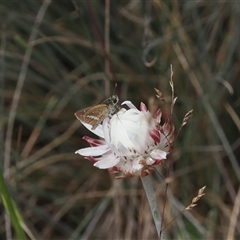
[(107, 56), (189, 207), (209, 109), (18, 91), (107, 48), (20, 83), (2, 85), (234, 217)]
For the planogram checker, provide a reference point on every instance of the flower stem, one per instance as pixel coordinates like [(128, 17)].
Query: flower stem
[(148, 187)]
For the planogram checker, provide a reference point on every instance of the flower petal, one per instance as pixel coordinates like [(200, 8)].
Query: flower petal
[(130, 166), (106, 161), (97, 131), (93, 142), (158, 154), (129, 104), (93, 151), (143, 107), (149, 161)]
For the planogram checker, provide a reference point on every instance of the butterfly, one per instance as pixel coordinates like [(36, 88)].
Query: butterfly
[(95, 114)]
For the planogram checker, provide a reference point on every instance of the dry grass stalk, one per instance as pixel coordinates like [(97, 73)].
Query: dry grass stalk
[(196, 199)]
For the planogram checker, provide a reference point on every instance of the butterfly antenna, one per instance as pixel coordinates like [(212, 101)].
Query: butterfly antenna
[(114, 90)]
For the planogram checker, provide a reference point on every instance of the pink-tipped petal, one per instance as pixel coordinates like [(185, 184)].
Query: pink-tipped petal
[(93, 142), (143, 107)]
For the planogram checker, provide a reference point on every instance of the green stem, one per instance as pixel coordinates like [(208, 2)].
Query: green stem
[(10, 208), (148, 187)]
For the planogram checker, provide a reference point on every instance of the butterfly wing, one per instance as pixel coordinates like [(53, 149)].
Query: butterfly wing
[(93, 115)]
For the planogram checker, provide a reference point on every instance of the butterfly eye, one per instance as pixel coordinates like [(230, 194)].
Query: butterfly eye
[(115, 99)]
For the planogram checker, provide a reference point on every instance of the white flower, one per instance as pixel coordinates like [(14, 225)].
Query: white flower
[(132, 141)]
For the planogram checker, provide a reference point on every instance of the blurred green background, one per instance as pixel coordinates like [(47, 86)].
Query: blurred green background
[(58, 57)]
